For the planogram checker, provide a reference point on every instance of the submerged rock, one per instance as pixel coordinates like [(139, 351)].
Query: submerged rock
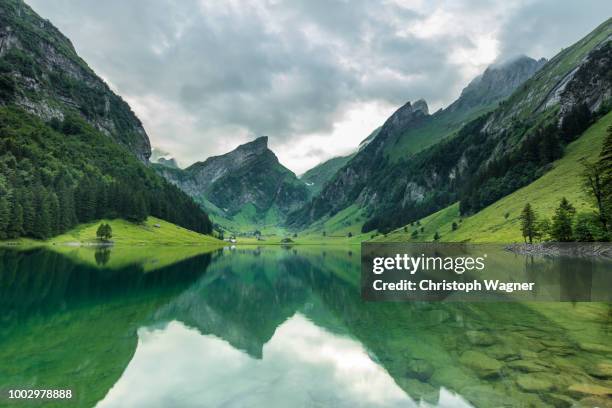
[(505, 353), (482, 365), (589, 390), (559, 400), (594, 347), (532, 383), (601, 370), (420, 369), (599, 402), (479, 338), (526, 366)]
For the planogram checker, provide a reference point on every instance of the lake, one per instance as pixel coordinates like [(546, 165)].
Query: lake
[(281, 326)]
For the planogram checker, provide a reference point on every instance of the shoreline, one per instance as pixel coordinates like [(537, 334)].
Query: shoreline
[(577, 249)]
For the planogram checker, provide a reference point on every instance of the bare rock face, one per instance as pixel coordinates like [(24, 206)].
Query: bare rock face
[(497, 82), (248, 175), (43, 74)]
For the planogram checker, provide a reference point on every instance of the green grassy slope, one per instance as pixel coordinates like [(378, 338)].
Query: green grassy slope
[(129, 234), (440, 126), (316, 177), (490, 224)]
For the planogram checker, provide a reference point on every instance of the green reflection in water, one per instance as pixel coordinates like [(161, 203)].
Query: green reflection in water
[(260, 326)]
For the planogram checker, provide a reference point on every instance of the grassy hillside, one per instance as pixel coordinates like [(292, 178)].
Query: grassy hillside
[(147, 257), (441, 125), (129, 234), (316, 177), (491, 225)]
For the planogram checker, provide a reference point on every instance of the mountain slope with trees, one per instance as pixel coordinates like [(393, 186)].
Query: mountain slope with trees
[(487, 158), (41, 72), (71, 151), (501, 221), (247, 187)]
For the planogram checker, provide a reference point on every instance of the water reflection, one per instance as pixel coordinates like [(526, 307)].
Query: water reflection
[(301, 363), (269, 326)]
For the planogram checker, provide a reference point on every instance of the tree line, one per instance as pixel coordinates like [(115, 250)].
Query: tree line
[(55, 176), (566, 225)]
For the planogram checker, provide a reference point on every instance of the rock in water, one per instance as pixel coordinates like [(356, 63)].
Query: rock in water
[(482, 365)]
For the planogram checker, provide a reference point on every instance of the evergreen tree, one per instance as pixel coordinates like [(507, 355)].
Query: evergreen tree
[(436, 236), (15, 226), (605, 165), (561, 229), (54, 213), (85, 200), (593, 185), (28, 212), (528, 223), (67, 215), (42, 213), (104, 232), (5, 214), (582, 229)]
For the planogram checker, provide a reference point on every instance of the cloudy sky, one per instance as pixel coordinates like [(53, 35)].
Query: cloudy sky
[(315, 76)]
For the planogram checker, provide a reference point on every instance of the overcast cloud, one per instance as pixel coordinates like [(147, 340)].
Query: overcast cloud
[(315, 76)]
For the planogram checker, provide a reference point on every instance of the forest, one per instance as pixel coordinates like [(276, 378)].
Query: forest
[(58, 174)]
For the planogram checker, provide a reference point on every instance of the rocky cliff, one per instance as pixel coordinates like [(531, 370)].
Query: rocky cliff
[(249, 176), (41, 72), (502, 132)]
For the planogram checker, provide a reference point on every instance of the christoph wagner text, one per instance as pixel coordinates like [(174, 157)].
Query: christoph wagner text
[(411, 264), (467, 287)]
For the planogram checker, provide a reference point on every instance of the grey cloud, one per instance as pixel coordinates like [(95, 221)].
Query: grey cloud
[(289, 68)]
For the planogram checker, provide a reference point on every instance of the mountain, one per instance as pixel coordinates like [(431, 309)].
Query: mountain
[(71, 151), (316, 177), (42, 73), (248, 183), (500, 221), (485, 145)]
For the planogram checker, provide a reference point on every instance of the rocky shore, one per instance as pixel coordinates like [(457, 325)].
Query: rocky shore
[(581, 249)]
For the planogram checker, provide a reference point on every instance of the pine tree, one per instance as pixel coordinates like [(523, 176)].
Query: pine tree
[(104, 232), (26, 198), (561, 229), (67, 215), (85, 200), (582, 229), (42, 214), (528, 223), (15, 226), (5, 214), (54, 213)]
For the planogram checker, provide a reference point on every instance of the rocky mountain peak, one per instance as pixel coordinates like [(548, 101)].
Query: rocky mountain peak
[(498, 81), (256, 146), (421, 106)]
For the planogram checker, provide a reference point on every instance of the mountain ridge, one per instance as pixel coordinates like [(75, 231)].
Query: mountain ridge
[(42, 73), (487, 152), (248, 182)]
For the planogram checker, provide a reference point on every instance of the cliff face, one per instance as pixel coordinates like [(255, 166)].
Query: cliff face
[(41, 72), (507, 125), (249, 175), (411, 125)]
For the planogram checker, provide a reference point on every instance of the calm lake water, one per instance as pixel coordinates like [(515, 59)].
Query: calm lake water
[(280, 327)]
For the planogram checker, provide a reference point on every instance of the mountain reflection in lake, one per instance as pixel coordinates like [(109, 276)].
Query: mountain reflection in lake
[(276, 327)]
